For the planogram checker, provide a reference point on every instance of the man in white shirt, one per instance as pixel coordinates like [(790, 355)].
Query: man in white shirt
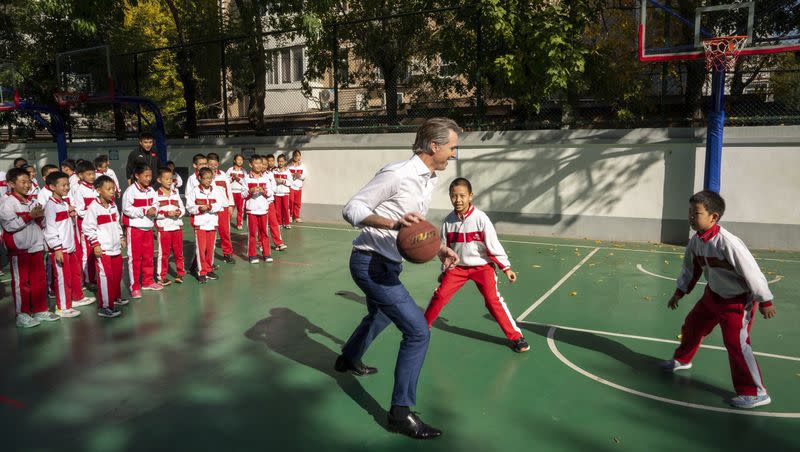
[(397, 196)]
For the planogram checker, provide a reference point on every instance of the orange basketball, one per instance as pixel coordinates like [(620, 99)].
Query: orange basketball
[(418, 243)]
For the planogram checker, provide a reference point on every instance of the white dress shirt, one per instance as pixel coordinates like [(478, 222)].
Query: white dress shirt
[(399, 188)]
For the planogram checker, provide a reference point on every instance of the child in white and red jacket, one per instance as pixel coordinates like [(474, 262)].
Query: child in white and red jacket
[(283, 184), (82, 195), (22, 220), (139, 214), (106, 239), (224, 215), (470, 233), (236, 175), (203, 203), (102, 169), (736, 286), (260, 187), (299, 174), (170, 228)]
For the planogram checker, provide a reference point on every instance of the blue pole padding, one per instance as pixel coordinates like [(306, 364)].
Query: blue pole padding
[(55, 126), (716, 124)]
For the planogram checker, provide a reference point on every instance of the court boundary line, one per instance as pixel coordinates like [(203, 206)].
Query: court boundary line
[(563, 245), (641, 268), (551, 343), (556, 286), (652, 339)]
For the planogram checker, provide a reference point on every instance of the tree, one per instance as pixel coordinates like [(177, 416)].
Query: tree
[(249, 56)]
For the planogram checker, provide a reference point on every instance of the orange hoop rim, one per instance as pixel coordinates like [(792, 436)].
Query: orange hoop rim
[(721, 52)]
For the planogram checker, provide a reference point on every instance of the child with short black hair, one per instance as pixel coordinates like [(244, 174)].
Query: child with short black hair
[(42, 198), (177, 180), (283, 184), (236, 175), (299, 173), (272, 217), (68, 167), (260, 187), (102, 168), (199, 161), (33, 193), (22, 221), (104, 235), (224, 227), (203, 203), (470, 233), (139, 214), (82, 195), (736, 286), (170, 228)]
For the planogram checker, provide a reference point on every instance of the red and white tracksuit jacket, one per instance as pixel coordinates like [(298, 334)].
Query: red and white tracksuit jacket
[(82, 195), (257, 205), (110, 173), (472, 236), (221, 180), (4, 190), (73, 180), (204, 224), (299, 174), (101, 228), (735, 287), (59, 235), (24, 241), (283, 183), (236, 177), (170, 233), (136, 201), (33, 193)]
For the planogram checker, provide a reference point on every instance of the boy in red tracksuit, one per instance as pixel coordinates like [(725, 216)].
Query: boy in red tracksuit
[(260, 186), (224, 216), (736, 286), (102, 169), (59, 236), (272, 217), (170, 228), (236, 175), (82, 195), (104, 234), (203, 203), (139, 214), (22, 221), (299, 173), (470, 233), (283, 184)]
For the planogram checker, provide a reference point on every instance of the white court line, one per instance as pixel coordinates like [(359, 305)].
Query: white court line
[(552, 344), (641, 269), (653, 339), (558, 284), (563, 245)]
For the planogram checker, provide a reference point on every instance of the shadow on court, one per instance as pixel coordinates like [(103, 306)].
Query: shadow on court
[(288, 333)]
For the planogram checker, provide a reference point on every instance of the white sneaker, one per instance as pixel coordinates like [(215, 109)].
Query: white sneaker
[(268, 259), (254, 260), (46, 316), (672, 365), (121, 302), (68, 313), (26, 321), (747, 401), (85, 301), (281, 247)]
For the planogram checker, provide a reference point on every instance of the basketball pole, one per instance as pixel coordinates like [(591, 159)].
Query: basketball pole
[(716, 124)]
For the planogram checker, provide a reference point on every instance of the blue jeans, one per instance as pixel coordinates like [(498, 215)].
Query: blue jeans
[(388, 301)]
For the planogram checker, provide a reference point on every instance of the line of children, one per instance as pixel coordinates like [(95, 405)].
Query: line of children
[(169, 222)]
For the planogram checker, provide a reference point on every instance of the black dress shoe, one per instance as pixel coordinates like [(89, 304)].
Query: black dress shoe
[(344, 365), (413, 426), (228, 259)]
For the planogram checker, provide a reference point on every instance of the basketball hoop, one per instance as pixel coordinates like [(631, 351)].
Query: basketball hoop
[(721, 53), (67, 99)]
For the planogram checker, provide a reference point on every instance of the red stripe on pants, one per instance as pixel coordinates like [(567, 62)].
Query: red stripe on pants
[(486, 280), (238, 202), (140, 257), (224, 226), (295, 200), (170, 242), (80, 250), (735, 320), (257, 229), (67, 279), (109, 280), (282, 203), (28, 283), (204, 253), (274, 225)]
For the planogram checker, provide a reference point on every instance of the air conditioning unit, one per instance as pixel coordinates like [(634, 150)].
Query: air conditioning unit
[(400, 99), (362, 102)]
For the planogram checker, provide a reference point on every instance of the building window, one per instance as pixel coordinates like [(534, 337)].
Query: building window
[(272, 69), (286, 66), (297, 62)]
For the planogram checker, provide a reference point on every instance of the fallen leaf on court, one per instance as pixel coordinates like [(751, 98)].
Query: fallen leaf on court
[(536, 266), (592, 264), (616, 440), (648, 298), (635, 287), (680, 336), (666, 262), (770, 273), (573, 293), (610, 254), (597, 242)]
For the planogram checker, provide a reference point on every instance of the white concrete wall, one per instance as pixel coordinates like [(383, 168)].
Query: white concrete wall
[(602, 184)]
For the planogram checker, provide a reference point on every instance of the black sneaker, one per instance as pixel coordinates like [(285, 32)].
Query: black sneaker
[(212, 275), (228, 259), (214, 267), (202, 279), (107, 312), (520, 345)]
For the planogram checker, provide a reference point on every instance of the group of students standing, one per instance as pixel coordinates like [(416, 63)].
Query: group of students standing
[(70, 233)]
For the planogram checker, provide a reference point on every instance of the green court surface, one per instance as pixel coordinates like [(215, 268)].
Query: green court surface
[(245, 363)]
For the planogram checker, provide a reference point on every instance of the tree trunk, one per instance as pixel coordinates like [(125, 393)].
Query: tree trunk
[(186, 75), (119, 122), (250, 21), (695, 78), (390, 70)]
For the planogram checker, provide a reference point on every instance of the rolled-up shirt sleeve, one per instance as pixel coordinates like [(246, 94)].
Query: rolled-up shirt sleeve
[(381, 188)]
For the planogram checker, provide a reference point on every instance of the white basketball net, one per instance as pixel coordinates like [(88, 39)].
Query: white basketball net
[(721, 53)]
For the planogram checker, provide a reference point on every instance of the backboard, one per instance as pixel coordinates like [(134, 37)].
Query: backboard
[(84, 74), (674, 30)]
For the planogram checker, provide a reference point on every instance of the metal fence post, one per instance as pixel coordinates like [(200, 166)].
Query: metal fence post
[(224, 85), (335, 58)]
